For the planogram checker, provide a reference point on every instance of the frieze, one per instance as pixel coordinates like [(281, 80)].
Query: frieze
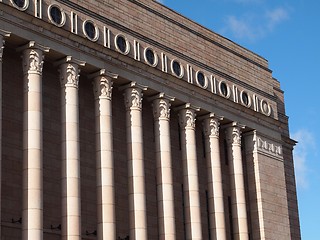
[(168, 64), (268, 147)]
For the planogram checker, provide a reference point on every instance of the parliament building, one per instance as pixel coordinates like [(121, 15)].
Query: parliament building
[(124, 120)]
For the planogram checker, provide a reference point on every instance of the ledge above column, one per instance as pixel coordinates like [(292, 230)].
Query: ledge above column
[(103, 72), (133, 85), (70, 59)]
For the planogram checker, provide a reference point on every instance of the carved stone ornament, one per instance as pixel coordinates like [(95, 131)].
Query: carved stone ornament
[(102, 87), (268, 147), (69, 75), (211, 127), (161, 109), (3, 34), (32, 61), (187, 118), (1, 48), (133, 98), (233, 135)]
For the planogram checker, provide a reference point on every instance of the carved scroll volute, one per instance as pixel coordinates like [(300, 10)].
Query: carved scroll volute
[(133, 98), (1, 47), (69, 75), (69, 70), (103, 84), (133, 95), (32, 57), (211, 127), (161, 108), (3, 34), (233, 134), (32, 61), (102, 87), (187, 118)]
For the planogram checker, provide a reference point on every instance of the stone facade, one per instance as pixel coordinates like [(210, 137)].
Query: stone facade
[(123, 119)]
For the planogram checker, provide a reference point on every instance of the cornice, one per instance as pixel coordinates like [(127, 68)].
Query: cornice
[(201, 35), (288, 141)]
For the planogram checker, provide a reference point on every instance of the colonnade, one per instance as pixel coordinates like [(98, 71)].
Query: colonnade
[(69, 69)]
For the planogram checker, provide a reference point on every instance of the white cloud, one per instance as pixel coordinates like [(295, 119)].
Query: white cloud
[(255, 26), (160, 1), (276, 16), (301, 156), (241, 28)]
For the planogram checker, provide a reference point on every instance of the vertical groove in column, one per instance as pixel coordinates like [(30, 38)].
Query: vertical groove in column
[(106, 219), (32, 210), (71, 198), (238, 202), (190, 172), (215, 190), (136, 176), (3, 34), (166, 216)]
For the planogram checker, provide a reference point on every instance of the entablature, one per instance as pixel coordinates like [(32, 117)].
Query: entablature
[(137, 60)]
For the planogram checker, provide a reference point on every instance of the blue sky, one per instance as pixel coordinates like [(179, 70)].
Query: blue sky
[(287, 33)]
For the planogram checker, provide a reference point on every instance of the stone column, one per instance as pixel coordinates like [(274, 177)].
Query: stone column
[(3, 34), (187, 118), (136, 185), (238, 201), (71, 204), (215, 191), (166, 217), (106, 219), (32, 209)]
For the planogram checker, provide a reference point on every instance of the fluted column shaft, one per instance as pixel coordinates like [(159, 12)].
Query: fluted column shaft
[(3, 34), (106, 219), (215, 190), (190, 173), (238, 201), (136, 175), (71, 202), (166, 217), (32, 210)]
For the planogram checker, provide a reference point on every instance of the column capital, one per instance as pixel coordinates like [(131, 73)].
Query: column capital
[(133, 95), (69, 71), (233, 133), (102, 84), (3, 34), (187, 115), (161, 106), (33, 57), (211, 124)]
